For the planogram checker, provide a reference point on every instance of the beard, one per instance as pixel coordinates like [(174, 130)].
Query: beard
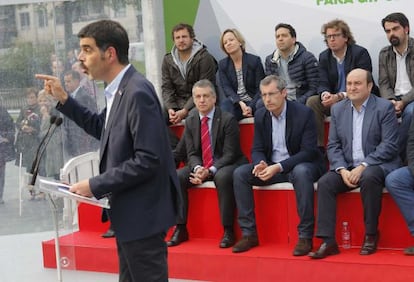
[(395, 41), (184, 48)]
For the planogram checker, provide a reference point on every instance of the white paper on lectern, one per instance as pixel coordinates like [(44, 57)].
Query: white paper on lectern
[(62, 189)]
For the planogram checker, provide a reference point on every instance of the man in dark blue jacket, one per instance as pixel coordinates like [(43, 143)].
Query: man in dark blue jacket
[(341, 56), (291, 61), (137, 170), (284, 149)]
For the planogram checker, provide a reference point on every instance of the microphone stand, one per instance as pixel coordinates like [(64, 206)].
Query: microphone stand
[(52, 122), (29, 175), (58, 122)]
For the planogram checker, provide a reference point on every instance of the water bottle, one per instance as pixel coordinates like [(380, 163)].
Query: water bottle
[(346, 235)]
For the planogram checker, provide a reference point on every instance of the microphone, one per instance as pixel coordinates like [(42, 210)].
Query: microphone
[(52, 121), (57, 123)]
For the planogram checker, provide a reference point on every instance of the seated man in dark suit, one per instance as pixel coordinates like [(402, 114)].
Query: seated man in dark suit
[(362, 150), (212, 143), (284, 149)]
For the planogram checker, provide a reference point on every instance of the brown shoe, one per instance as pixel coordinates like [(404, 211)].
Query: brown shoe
[(409, 251), (370, 245), (246, 243), (303, 247)]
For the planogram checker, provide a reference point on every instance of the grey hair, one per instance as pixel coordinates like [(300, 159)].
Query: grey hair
[(281, 83), (205, 83)]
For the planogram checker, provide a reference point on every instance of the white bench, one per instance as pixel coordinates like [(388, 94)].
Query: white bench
[(77, 169), (282, 186)]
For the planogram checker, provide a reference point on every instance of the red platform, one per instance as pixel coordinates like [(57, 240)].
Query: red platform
[(200, 258)]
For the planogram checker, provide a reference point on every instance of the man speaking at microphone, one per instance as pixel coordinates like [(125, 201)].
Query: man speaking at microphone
[(137, 170)]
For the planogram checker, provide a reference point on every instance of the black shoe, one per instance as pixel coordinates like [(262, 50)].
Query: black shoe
[(246, 243), (109, 234), (409, 251), (370, 245), (325, 250), (228, 239), (303, 247), (180, 235)]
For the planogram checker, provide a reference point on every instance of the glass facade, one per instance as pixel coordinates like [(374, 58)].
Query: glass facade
[(41, 38)]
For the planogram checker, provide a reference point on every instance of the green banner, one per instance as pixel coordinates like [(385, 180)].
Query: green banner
[(177, 11)]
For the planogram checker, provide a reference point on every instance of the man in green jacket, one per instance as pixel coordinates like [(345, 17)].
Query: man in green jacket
[(188, 62)]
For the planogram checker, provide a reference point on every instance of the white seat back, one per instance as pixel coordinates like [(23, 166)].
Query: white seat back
[(76, 169), (80, 168)]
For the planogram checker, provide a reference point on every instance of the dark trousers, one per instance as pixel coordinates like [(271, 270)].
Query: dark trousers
[(331, 184), (143, 260), (223, 180), (314, 102), (302, 177)]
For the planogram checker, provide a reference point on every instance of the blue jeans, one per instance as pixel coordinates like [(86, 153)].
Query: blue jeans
[(404, 128), (400, 184), (302, 177)]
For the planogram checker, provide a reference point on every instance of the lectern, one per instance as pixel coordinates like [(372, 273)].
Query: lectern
[(57, 190)]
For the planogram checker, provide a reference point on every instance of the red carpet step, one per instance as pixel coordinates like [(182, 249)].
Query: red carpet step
[(201, 259)]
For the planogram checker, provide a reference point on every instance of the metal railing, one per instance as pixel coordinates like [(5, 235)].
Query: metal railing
[(13, 98)]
